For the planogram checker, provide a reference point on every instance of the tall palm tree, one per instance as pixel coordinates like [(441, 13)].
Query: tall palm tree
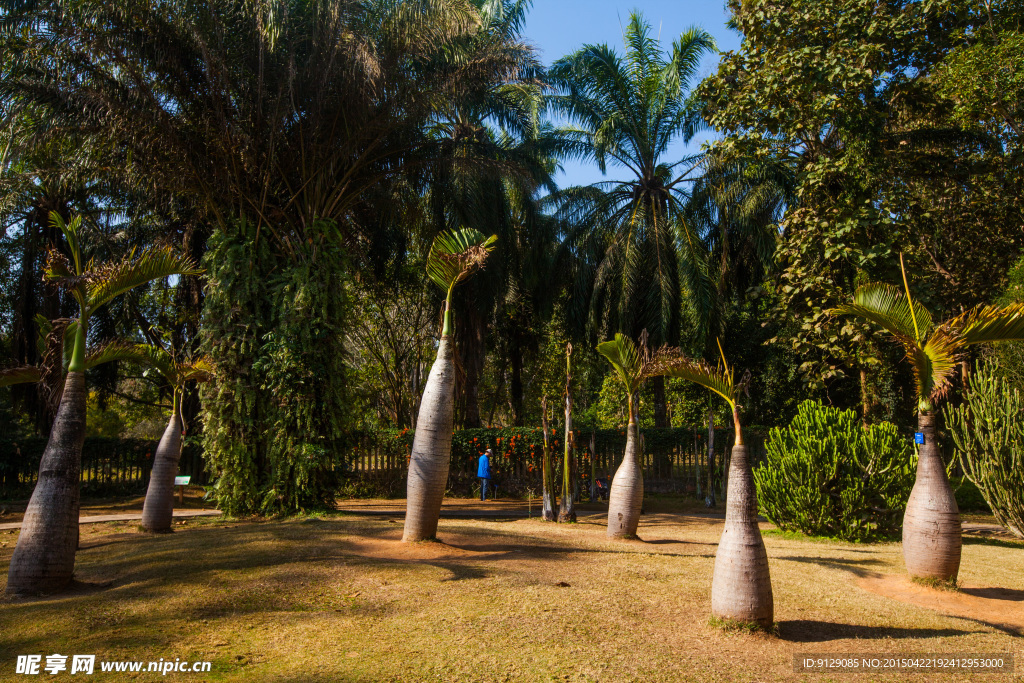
[(741, 589), (44, 557), (931, 523), (633, 367), (454, 256), (627, 110)]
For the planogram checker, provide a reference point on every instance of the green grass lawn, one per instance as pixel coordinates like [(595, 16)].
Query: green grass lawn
[(340, 598)]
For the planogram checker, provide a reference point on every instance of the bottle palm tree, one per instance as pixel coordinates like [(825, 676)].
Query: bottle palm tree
[(741, 589), (453, 257), (931, 523), (44, 557), (633, 367), (629, 235), (158, 508)]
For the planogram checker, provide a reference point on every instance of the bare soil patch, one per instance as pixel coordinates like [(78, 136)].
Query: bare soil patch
[(1001, 608)]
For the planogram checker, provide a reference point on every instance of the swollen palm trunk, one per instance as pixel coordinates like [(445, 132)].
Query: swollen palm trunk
[(44, 558), (431, 449), (627, 494), (931, 524), (741, 589), (158, 509)]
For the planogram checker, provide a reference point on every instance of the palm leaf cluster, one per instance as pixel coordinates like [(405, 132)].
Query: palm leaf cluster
[(627, 110), (933, 348)]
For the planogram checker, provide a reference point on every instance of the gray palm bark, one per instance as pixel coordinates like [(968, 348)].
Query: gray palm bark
[(931, 523), (627, 492), (158, 508), (741, 589), (431, 448), (44, 558)]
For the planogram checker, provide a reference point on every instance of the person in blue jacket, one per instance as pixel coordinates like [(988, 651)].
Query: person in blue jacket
[(483, 471)]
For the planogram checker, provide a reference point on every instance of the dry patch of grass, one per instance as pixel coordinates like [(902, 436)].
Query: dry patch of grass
[(341, 598)]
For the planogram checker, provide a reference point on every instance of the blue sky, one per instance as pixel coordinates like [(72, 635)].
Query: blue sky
[(557, 27)]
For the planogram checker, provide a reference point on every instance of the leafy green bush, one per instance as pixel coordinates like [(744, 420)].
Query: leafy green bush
[(827, 476), (988, 430)]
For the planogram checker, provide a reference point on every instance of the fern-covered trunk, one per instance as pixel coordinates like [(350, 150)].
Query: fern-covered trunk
[(741, 589), (931, 523), (548, 502), (44, 557), (158, 509), (627, 494), (431, 448)]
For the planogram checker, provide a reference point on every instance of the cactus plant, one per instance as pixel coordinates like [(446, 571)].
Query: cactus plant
[(826, 475), (988, 432)]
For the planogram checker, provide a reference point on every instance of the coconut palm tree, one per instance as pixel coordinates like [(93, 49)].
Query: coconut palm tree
[(453, 257), (741, 589), (44, 557), (931, 523), (627, 110), (634, 367)]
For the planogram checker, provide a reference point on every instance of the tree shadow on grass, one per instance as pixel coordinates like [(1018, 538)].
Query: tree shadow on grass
[(996, 542), (809, 631), (856, 567), (994, 593)]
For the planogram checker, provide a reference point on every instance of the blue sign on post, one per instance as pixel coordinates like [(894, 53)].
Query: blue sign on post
[(919, 437)]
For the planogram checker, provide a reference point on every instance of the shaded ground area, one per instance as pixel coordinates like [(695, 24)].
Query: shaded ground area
[(13, 511), (340, 598)]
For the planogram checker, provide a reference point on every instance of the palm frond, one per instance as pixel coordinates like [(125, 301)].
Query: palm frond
[(22, 374), (984, 324), (625, 358), (154, 263), (672, 363), (140, 354), (457, 254), (199, 370), (887, 307)]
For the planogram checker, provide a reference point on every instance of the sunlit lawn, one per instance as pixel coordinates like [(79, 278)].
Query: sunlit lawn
[(340, 598)]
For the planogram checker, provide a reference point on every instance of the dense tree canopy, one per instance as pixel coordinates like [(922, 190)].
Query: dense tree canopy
[(308, 153)]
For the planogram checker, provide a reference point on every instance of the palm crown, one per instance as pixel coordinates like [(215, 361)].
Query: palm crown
[(93, 285), (453, 257), (628, 110), (933, 348), (719, 379)]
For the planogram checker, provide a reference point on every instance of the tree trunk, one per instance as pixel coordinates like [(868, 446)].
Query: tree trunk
[(515, 387), (741, 589), (710, 500), (548, 502), (431, 448), (660, 410), (158, 509), (567, 508), (44, 558), (931, 523), (472, 350), (593, 467), (627, 494), (865, 401)]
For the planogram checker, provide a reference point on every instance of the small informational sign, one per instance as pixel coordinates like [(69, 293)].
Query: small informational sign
[(919, 437), (182, 481)]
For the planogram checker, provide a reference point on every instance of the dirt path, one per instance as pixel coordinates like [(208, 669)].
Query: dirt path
[(1001, 608)]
